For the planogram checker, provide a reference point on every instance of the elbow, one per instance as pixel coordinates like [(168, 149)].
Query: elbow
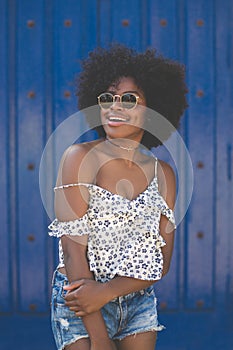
[(164, 273), (167, 258), (166, 268), (72, 248)]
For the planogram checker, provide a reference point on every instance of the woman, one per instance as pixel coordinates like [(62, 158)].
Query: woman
[(113, 204)]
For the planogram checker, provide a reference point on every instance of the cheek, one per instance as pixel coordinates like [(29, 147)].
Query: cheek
[(141, 118), (102, 115)]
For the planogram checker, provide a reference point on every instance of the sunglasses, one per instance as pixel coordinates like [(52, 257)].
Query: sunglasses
[(128, 100)]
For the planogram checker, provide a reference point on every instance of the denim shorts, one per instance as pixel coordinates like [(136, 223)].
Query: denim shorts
[(130, 314)]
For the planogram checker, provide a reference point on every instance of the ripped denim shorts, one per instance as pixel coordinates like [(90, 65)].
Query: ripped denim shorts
[(130, 314)]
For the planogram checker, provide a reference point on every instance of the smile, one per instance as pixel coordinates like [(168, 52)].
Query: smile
[(117, 118)]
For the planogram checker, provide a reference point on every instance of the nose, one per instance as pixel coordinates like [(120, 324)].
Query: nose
[(116, 102)]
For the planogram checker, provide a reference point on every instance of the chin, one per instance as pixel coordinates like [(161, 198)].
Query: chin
[(123, 131)]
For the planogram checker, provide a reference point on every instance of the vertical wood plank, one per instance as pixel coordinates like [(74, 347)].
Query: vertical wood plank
[(200, 240), (74, 36), (224, 159), (164, 26), (121, 22), (5, 271), (126, 23), (32, 258), (104, 33), (164, 23), (48, 116)]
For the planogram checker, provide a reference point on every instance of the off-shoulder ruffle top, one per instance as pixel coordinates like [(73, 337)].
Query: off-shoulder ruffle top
[(123, 234)]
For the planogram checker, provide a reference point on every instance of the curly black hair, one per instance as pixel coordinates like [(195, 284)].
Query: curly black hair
[(162, 81)]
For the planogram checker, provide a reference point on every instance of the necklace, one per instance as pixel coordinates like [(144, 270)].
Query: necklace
[(129, 149)]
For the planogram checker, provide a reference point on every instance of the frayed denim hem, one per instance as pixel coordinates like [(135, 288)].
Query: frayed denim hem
[(154, 329), (72, 341)]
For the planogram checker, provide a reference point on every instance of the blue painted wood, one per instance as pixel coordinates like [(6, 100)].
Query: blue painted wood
[(50, 245), (67, 23), (224, 156), (104, 23), (201, 242), (12, 193), (195, 330), (164, 26), (43, 57), (74, 35), (126, 23), (26, 332), (32, 257), (5, 267)]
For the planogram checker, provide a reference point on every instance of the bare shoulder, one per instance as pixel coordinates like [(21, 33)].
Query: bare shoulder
[(166, 181), (78, 164), (165, 170)]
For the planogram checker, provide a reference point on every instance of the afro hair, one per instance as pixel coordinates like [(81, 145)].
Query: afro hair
[(162, 81)]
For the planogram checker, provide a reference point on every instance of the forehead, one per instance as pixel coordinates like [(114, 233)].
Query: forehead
[(124, 84)]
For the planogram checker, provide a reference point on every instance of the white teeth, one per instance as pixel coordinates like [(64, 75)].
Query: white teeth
[(117, 119)]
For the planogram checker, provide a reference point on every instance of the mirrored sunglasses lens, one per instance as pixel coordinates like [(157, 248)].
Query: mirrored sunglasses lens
[(128, 101), (105, 100)]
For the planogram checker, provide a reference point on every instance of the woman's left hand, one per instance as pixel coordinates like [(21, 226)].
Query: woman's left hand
[(85, 296)]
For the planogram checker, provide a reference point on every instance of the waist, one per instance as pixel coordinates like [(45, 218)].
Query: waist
[(60, 279)]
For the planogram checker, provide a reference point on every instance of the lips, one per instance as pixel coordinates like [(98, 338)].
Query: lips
[(116, 119)]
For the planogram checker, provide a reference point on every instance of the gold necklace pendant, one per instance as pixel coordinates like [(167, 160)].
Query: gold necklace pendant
[(128, 149)]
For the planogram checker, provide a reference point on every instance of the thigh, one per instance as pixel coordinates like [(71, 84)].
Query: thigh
[(146, 340), (81, 344), (84, 344)]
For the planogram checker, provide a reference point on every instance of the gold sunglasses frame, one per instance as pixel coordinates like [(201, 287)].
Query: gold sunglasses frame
[(120, 97)]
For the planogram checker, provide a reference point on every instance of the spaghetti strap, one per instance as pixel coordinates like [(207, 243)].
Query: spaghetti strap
[(156, 173), (156, 166), (61, 187)]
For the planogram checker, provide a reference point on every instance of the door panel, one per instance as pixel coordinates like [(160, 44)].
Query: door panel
[(200, 234), (41, 44)]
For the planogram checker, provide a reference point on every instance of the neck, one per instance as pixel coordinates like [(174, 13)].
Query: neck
[(128, 146), (124, 148)]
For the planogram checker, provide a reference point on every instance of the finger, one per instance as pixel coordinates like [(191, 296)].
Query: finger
[(81, 313), (74, 308), (71, 297), (73, 285), (72, 303)]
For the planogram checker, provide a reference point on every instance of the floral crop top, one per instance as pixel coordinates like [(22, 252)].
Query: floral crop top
[(123, 234)]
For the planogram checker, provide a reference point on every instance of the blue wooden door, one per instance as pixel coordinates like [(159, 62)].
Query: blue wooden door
[(41, 43)]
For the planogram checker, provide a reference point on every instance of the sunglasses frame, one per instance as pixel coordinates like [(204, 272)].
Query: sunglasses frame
[(120, 97)]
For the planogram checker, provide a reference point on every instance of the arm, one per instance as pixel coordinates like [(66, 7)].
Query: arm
[(76, 265), (71, 204), (167, 188), (103, 293)]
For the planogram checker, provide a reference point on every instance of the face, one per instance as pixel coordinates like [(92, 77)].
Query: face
[(118, 120)]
